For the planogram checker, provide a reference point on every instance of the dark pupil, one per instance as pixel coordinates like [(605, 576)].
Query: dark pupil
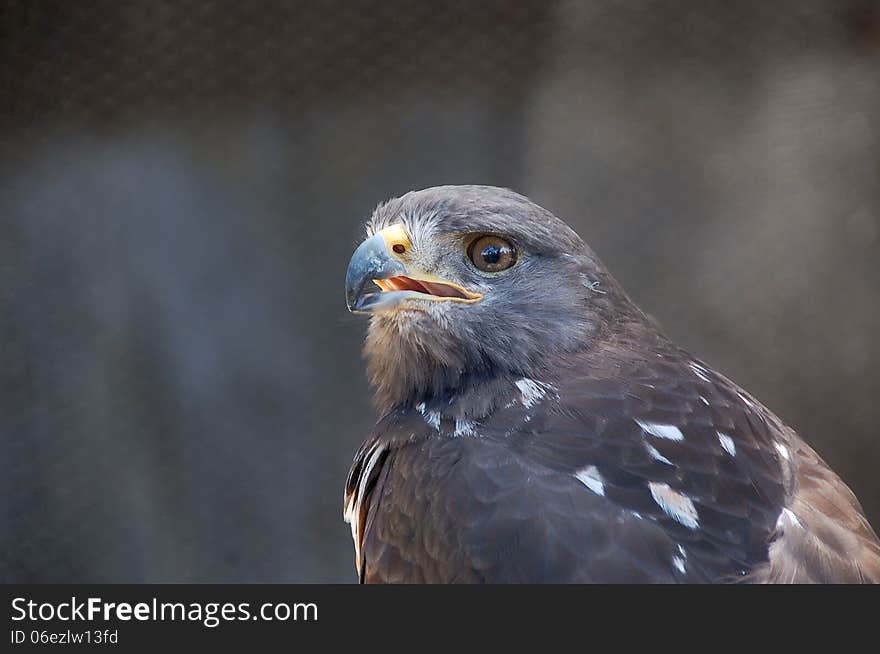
[(491, 254)]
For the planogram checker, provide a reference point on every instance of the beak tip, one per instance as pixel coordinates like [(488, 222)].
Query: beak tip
[(371, 260)]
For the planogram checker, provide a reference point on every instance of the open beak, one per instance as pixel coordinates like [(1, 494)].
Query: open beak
[(379, 280)]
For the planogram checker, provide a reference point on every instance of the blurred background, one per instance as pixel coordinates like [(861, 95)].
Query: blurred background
[(182, 183)]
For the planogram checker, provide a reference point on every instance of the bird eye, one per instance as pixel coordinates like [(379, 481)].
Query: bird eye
[(492, 253)]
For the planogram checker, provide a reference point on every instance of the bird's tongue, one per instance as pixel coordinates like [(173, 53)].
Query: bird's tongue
[(430, 288), (441, 290), (405, 284)]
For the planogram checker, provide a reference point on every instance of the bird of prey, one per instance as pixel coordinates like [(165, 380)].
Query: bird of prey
[(537, 426)]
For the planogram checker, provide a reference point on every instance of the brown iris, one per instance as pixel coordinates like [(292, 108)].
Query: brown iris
[(492, 253)]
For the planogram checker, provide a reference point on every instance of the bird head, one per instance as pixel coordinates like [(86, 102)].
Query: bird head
[(466, 283)]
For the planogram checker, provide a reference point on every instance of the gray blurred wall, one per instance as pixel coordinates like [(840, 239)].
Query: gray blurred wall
[(182, 183)]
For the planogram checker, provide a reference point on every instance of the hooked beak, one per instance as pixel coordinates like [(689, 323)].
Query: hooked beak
[(378, 279)]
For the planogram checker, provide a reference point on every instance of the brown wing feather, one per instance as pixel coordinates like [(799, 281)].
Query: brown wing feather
[(822, 535), (363, 479)]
